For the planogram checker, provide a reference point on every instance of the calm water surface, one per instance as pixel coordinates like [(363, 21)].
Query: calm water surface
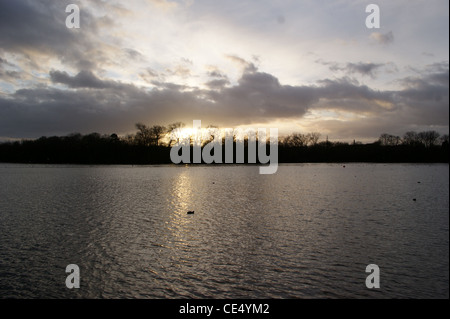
[(308, 231)]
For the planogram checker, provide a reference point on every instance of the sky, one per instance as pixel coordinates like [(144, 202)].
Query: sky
[(299, 66)]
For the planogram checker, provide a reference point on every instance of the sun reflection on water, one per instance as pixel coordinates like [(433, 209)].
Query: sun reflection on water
[(182, 202)]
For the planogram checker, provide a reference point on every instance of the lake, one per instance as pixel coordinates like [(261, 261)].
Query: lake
[(308, 231)]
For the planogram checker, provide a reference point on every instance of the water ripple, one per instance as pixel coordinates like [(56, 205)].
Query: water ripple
[(306, 232)]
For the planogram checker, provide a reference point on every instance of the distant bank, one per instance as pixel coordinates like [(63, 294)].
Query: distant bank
[(97, 149)]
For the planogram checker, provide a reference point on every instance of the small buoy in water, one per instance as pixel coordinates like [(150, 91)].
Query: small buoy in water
[(418, 182), (414, 199), (190, 212), (343, 166)]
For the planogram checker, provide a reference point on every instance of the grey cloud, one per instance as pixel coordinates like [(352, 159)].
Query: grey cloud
[(10, 75), (217, 84), (38, 27), (346, 87), (437, 67), (84, 79), (8, 71), (436, 74), (173, 87), (365, 69), (92, 104), (49, 111), (390, 67), (427, 97), (259, 97), (217, 74), (112, 106), (5, 62)]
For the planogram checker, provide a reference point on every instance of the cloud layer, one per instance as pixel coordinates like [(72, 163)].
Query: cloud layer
[(56, 80)]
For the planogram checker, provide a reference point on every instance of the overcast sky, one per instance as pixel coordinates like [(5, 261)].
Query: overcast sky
[(296, 65)]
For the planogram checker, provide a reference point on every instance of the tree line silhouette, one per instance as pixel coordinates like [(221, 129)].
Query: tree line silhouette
[(152, 144)]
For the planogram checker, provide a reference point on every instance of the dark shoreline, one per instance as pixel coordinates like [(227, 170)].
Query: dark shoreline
[(104, 150)]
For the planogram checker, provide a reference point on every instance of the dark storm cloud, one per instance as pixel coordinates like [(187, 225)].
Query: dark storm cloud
[(259, 97), (431, 84), (84, 79), (106, 106), (349, 89), (422, 104), (427, 95), (93, 104), (75, 98), (38, 27), (49, 111)]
